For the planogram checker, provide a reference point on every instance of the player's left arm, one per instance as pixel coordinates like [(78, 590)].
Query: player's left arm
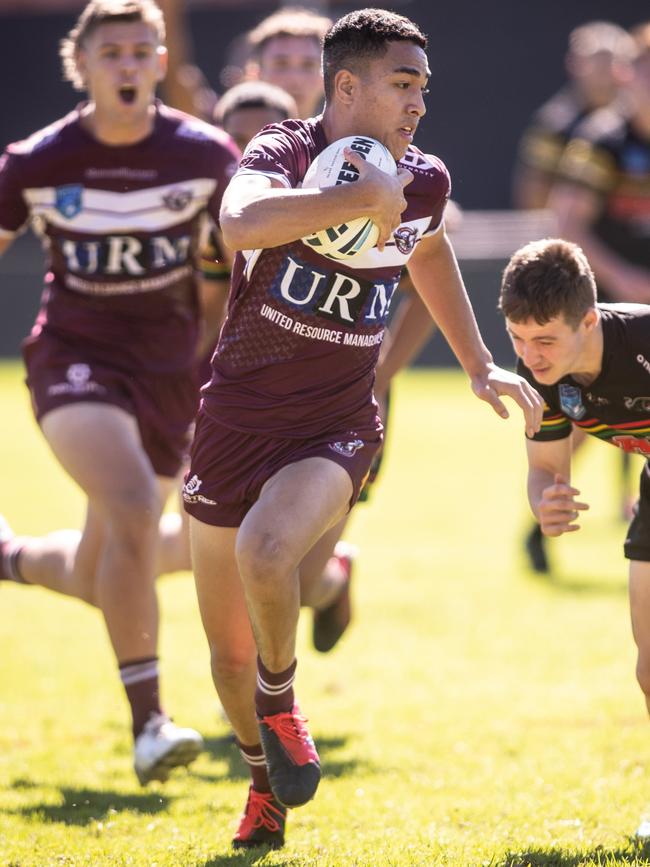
[(437, 278)]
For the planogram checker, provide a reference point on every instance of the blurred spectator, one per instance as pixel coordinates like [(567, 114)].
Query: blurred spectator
[(244, 109), (286, 51), (185, 86), (602, 197), (597, 64)]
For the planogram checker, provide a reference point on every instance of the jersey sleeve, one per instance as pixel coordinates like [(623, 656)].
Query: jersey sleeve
[(555, 424), (275, 153), (14, 212), (440, 190)]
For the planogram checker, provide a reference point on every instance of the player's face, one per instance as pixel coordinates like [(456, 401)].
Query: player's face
[(121, 64), (389, 98), (243, 123), (552, 350), (293, 63)]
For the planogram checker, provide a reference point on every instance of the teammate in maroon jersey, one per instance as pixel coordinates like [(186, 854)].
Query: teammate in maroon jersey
[(288, 427), (590, 363), (118, 187)]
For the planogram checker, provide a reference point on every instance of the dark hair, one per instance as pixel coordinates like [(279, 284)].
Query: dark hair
[(99, 12), (254, 94), (546, 279), (363, 35), (294, 21)]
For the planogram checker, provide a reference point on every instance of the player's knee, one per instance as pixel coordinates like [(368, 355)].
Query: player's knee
[(135, 506), (230, 665), (262, 557)]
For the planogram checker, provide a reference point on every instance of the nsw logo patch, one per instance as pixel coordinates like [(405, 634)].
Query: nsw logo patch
[(571, 400), (68, 201)]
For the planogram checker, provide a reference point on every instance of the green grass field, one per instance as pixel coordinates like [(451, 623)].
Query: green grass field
[(474, 715)]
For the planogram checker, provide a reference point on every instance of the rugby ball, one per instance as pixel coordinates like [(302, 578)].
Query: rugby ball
[(331, 168)]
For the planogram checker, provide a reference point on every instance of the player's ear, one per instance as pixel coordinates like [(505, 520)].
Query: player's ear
[(80, 63), (590, 319), (345, 86), (163, 61)]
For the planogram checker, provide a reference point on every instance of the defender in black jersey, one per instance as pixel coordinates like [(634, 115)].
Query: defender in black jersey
[(591, 364)]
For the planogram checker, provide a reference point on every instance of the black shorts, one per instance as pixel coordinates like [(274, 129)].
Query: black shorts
[(637, 542)]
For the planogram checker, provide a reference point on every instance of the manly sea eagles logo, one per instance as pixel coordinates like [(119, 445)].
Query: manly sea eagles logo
[(68, 200), (405, 238), (78, 376), (177, 200), (347, 449), (571, 400)]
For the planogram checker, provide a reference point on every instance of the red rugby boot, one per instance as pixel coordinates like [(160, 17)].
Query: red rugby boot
[(262, 822), (291, 758)]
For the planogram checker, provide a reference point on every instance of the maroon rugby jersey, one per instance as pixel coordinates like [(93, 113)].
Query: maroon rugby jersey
[(121, 226), (297, 353)]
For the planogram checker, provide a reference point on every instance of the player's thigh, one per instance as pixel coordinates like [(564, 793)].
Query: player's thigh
[(219, 589), (640, 605), (296, 506), (99, 446)]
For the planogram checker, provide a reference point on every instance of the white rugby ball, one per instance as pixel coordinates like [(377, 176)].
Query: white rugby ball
[(331, 168)]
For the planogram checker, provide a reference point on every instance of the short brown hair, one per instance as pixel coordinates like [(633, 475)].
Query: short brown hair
[(99, 12), (288, 21), (546, 279), (364, 35), (254, 94)]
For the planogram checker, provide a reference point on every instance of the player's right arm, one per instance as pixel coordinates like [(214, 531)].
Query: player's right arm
[(259, 211), (550, 494), (5, 243)]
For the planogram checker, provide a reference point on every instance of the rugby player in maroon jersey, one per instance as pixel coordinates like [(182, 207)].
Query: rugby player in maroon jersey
[(119, 188), (590, 363), (288, 427)]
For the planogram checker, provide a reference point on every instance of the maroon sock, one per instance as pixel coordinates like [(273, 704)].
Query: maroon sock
[(140, 680), (253, 755), (274, 691)]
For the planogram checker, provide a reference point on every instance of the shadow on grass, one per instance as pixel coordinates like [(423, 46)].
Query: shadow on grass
[(81, 806), (261, 857), (633, 855), (223, 749), (579, 584)]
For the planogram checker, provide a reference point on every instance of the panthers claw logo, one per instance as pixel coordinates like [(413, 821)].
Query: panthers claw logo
[(405, 238)]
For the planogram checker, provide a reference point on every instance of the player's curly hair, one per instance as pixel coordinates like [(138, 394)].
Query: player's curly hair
[(546, 279), (363, 35), (99, 12)]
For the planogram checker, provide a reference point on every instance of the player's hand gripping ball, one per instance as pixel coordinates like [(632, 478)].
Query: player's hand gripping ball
[(331, 168)]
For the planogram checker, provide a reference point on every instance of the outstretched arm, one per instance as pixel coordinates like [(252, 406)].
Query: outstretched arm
[(437, 278)]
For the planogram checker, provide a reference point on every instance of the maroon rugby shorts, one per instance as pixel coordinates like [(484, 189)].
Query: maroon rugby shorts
[(163, 404), (229, 468)]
